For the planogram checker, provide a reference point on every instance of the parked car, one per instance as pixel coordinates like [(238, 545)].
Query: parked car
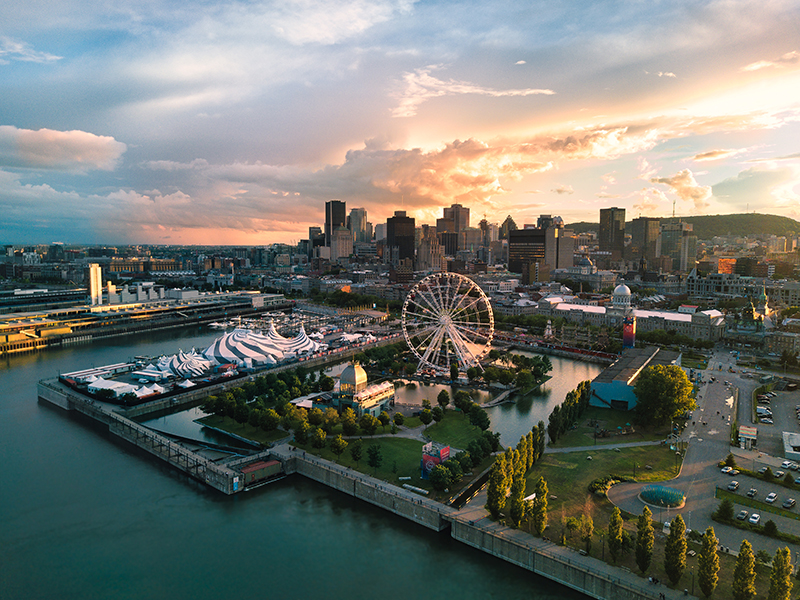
[(733, 472), (742, 515), (767, 421), (771, 497), (780, 473), (797, 481), (755, 518), (733, 486), (788, 503), (726, 469), (762, 470), (751, 493), (785, 464)]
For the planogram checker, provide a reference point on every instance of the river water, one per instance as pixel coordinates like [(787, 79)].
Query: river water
[(87, 517)]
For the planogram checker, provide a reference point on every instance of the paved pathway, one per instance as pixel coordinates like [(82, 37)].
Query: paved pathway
[(550, 450)]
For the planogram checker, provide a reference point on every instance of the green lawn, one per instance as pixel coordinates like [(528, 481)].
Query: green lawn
[(568, 475), (454, 429), (609, 419), (697, 363), (246, 431)]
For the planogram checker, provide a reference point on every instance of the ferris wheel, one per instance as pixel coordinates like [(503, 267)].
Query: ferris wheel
[(448, 319)]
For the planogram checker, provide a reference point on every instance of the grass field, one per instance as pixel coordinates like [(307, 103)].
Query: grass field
[(454, 429), (611, 420), (694, 361), (246, 431)]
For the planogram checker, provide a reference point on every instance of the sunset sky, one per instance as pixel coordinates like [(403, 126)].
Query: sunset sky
[(233, 122)]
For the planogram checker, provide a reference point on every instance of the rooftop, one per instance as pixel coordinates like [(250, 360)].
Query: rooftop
[(633, 361)]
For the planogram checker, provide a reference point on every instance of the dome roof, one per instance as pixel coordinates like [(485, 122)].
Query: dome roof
[(585, 262), (622, 290), (354, 374)]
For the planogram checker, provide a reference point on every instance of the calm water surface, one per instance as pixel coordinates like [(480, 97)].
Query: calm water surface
[(87, 517)]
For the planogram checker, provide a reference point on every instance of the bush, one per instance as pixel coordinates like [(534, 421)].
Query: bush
[(770, 528)]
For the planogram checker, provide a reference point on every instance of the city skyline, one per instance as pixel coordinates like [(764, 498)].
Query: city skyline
[(234, 124)]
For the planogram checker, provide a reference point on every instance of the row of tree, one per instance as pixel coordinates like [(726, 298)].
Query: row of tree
[(744, 573), (564, 415), (509, 472)]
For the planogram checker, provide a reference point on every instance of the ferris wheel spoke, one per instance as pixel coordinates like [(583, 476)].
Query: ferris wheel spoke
[(431, 314), (467, 306), (462, 350), (435, 344), (424, 336), (430, 297), (470, 333)]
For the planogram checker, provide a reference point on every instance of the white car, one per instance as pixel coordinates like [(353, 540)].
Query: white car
[(771, 497), (755, 518), (786, 464), (726, 469)]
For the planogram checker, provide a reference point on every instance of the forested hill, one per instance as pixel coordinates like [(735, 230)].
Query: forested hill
[(706, 227)]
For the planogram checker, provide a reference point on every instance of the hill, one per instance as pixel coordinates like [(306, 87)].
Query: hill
[(708, 226)]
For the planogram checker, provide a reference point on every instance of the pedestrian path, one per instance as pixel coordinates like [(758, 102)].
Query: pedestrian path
[(597, 448)]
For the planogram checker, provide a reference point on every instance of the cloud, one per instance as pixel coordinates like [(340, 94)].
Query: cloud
[(563, 189), (789, 58), (58, 150), (606, 195), (14, 50), (762, 188), (649, 201), (609, 178), (420, 86), (714, 155), (685, 187), (520, 62)]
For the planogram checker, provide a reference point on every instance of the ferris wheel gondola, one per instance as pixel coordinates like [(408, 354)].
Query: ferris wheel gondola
[(448, 319)]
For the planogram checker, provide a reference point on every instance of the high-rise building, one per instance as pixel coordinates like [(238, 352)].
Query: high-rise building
[(95, 284), (341, 244), (507, 226), (380, 232), (678, 242), (459, 215), (559, 245), (400, 237), (357, 224), (644, 238), (430, 254), (544, 221), (525, 247), (334, 217), (612, 231), (445, 226)]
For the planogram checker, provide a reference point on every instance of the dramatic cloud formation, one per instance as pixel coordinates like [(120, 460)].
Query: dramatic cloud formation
[(685, 187), (61, 150), (234, 122)]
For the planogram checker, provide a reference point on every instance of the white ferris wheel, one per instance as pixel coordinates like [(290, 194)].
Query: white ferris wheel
[(448, 319)]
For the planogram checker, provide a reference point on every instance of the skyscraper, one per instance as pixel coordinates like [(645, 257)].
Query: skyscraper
[(95, 284), (644, 237), (357, 224), (459, 215), (334, 217), (525, 247), (612, 231), (677, 240), (400, 237)]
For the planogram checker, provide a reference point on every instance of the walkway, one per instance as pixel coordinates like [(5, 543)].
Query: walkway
[(549, 449)]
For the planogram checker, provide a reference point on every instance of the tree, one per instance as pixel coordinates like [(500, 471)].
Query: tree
[(541, 439), (780, 581), (338, 446), (744, 573), (524, 380), (331, 419), (708, 563), (675, 550), (496, 489), (443, 399), (540, 507), (316, 417), (241, 413), (771, 528), (788, 480), (479, 417), (644, 540), (426, 417), (662, 393), (368, 424), (269, 420), (374, 457), (437, 413), (356, 449), (440, 477), (317, 437), (399, 419), (301, 431), (587, 531), (724, 511), (326, 383), (385, 419), (515, 504), (426, 404), (349, 425), (615, 534), (453, 371)]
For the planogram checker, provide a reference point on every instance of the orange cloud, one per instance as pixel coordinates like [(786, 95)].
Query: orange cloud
[(685, 187), (59, 150)]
